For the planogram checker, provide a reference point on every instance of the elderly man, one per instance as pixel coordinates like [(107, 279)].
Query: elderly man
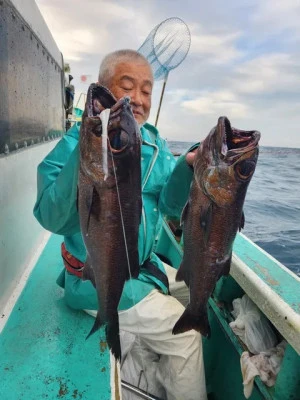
[(146, 311)]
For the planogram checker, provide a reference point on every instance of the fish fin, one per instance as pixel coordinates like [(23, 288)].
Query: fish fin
[(97, 325), (190, 321), (184, 212), (113, 336), (205, 219), (92, 199), (242, 222), (88, 272), (226, 268), (182, 274)]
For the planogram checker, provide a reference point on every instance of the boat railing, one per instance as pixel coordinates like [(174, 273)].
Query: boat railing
[(272, 287)]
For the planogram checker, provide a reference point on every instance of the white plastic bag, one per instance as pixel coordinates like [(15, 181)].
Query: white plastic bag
[(252, 326)]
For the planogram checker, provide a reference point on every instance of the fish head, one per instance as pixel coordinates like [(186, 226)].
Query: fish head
[(123, 134), (226, 161)]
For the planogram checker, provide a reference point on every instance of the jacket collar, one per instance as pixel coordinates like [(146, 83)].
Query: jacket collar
[(149, 133)]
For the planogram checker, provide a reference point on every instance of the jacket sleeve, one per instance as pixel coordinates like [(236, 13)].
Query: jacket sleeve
[(175, 192), (56, 204)]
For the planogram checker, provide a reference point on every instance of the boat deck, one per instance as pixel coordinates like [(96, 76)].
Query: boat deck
[(44, 354)]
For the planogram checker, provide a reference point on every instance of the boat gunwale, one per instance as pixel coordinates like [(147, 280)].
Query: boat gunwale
[(283, 315)]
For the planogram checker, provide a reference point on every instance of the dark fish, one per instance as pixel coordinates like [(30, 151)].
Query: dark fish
[(101, 195), (223, 167)]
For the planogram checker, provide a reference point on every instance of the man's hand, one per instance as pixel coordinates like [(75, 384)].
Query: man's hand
[(190, 157)]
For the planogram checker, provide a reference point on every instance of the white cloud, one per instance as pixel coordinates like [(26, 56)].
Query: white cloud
[(97, 29), (77, 42), (243, 62), (217, 103), (271, 73), (217, 48), (277, 15), (73, 39)]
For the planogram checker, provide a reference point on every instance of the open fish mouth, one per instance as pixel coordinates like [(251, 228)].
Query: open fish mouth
[(235, 141), (100, 98)]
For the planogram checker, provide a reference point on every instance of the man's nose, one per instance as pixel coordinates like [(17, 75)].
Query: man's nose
[(136, 97)]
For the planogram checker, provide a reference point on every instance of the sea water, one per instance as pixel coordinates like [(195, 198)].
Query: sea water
[(272, 205)]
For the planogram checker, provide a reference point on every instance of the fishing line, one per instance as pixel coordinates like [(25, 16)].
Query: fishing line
[(127, 255)]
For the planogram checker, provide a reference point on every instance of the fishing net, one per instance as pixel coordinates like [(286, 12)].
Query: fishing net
[(166, 46)]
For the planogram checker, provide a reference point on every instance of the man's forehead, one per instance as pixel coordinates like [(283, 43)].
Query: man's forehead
[(134, 70), (133, 77)]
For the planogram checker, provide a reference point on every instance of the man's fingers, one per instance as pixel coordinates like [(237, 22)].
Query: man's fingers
[(190, 157)]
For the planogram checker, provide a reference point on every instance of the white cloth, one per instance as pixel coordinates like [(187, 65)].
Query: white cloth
[(166, 365), (265, 364)]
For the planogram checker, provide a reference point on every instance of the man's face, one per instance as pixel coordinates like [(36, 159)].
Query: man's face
[(134, 79)]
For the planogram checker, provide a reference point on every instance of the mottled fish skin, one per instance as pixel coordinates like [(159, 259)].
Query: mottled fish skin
[(98, 204), (223, 167)]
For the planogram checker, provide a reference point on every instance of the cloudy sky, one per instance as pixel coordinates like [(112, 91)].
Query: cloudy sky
[(244, 59)]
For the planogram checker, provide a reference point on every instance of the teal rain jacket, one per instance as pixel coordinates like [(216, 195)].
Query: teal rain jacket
[(165, 187)]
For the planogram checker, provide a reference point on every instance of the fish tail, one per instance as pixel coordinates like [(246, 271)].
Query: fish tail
[(112, 333), (190, 321), (179, 275), (113, 336), (97, 325)]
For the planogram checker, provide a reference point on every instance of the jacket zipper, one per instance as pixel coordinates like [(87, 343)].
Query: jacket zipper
[(156, 151)]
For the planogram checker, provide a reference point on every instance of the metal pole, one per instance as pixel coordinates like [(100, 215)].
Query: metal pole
[(137, 391), (161, 97)]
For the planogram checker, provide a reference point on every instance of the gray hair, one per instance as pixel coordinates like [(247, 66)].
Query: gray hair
[(109, 63)]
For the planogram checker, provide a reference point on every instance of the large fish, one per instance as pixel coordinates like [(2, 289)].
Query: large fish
[(223, 167), (109, 203)]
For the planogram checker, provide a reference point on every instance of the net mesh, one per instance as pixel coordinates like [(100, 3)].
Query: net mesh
[(166, 46)]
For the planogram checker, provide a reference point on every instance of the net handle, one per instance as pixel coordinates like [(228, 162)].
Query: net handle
[(161, 98)]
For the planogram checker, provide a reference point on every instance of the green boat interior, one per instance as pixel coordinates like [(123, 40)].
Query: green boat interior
[(45, 354)]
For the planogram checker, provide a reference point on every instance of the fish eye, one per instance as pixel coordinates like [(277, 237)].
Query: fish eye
[(245, 169), (118, 140)]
